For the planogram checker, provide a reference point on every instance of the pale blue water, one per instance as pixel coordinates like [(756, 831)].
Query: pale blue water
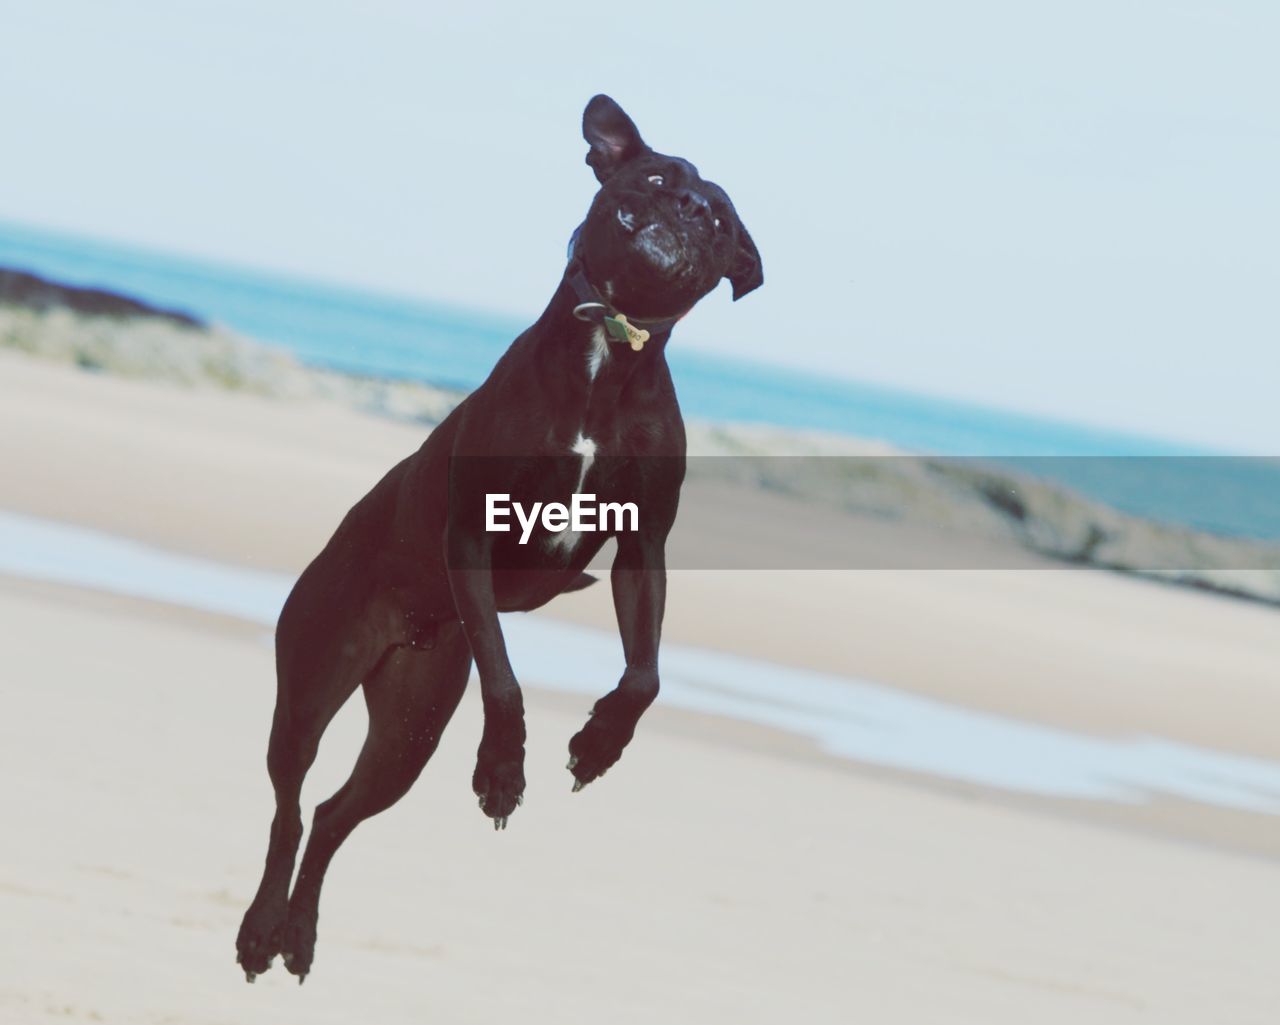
[(381, 335), (849, 718), (366, 333)]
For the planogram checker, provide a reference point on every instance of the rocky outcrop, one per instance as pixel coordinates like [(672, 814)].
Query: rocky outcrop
[(21, 289), (110, 333)]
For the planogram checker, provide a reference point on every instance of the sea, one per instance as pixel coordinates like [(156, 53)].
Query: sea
[(371, 334)]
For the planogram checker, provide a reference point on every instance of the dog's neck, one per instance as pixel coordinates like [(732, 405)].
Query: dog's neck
[(578, 353), (595, 304)]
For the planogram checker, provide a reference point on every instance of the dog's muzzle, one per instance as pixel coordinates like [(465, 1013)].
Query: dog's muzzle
[(660, 246)]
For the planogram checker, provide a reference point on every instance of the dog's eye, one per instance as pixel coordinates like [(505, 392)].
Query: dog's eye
[(655, 179)]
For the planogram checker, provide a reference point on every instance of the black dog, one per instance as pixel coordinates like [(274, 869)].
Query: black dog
[(409, 588)]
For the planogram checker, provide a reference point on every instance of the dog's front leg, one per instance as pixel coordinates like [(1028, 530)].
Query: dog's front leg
[(639, 580), (499, 777)]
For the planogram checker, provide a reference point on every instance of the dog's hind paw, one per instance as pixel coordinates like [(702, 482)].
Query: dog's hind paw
[(499, 786), (258, 942), (299, 944)]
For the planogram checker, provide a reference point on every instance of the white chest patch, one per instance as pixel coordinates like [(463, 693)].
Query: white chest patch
[(585, 449), (596, 355)]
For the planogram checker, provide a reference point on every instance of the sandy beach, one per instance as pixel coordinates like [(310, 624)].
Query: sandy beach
[(723, 871)]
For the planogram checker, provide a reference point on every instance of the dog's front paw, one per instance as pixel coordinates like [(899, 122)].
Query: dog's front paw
[(595, 748), (598, 745), (499, 782)]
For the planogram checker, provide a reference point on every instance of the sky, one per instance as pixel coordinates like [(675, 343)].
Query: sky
[(1064, 209)]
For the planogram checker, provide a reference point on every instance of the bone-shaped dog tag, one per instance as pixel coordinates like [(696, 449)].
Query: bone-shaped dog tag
[(624, 332)]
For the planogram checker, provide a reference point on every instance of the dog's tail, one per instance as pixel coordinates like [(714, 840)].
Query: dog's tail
[(579, 582)]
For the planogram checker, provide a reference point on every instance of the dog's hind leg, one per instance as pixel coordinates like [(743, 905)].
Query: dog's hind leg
[(318, 667), (410, 699)]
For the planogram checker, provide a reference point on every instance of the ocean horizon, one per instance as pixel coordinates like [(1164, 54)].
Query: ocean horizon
[(364, 333), (360, 331)]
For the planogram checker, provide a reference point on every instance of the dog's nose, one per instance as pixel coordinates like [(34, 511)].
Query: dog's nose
[(691, 205)]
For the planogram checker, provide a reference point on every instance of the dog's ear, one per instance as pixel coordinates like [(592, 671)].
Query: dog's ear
[(613, 136), (745, 273)]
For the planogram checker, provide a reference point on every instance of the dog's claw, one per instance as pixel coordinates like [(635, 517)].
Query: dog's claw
[(578, 785), (249, 976), (573, 760), (519, 800)]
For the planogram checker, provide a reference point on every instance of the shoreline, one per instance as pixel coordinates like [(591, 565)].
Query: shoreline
[(1156, 817), (985, 503), (174, 469), (1108, 788), (241, 479)]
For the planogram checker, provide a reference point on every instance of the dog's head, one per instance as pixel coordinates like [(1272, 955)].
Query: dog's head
[(658, 237)]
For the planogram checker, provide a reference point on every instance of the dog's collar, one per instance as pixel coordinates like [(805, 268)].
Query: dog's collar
[(618, 326)]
